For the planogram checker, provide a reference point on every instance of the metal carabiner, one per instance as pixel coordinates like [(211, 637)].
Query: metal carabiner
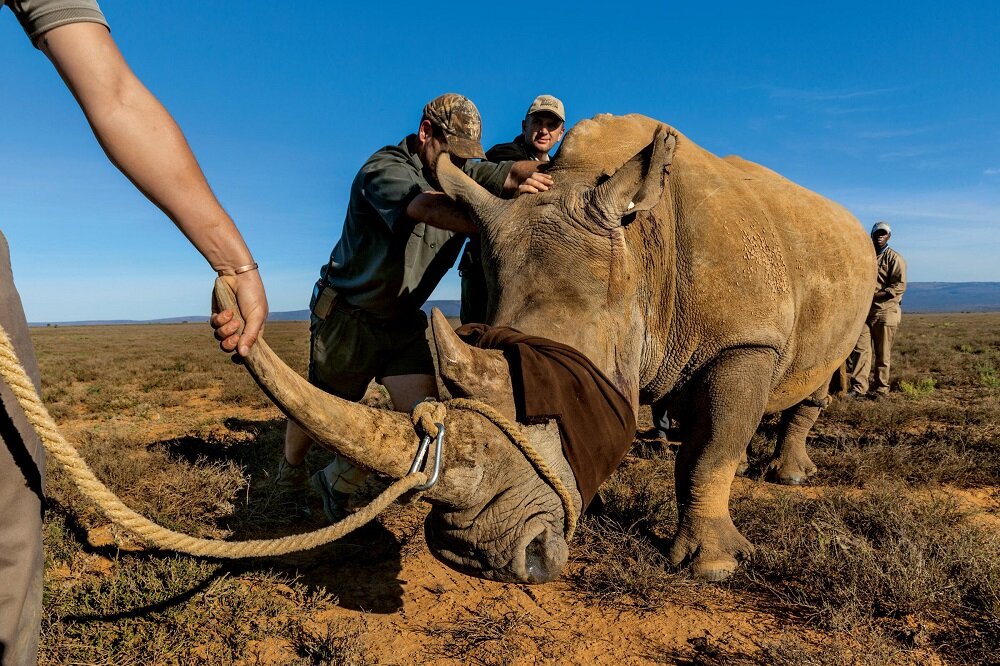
[(421, 457)]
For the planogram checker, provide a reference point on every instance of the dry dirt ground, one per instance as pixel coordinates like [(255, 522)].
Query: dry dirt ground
[(889, 556)]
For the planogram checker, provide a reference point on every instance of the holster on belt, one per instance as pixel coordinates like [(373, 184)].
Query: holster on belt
[(323, 300)]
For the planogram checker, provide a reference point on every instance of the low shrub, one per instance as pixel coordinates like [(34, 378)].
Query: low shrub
[(988, 376), (933, 456), (919, 388), (489, 635), (621, 569)]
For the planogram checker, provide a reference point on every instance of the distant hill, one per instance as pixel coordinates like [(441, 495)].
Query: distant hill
[(449, 308), (920, 297), (952, 297)]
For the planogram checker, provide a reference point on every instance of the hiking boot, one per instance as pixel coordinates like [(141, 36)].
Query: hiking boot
[(335, 503), (653, 435), (369, 490), (291, 477), (853, 395)]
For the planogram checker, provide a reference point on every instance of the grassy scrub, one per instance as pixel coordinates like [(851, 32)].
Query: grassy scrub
[(889, 556), (885, 555)]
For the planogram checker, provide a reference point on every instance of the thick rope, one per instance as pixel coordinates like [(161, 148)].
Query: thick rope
[(425, 414), (63, 452)]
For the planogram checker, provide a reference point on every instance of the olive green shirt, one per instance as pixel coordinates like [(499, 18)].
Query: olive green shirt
[(387, 263), (515, 150), (39, 16)]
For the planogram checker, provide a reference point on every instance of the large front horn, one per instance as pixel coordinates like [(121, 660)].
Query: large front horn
[(637, 185), (372, 438), (457, 185)]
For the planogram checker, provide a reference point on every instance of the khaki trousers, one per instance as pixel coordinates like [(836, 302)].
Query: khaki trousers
[(875, 340), (22, 471)]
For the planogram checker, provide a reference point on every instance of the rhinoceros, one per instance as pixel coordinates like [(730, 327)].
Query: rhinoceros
[(713, 284)]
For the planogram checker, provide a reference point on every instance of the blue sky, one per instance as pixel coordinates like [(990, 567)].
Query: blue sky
[(890, 108)]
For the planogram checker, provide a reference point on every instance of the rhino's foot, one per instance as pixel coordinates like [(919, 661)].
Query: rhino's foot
[(712, 547), (790, 471)]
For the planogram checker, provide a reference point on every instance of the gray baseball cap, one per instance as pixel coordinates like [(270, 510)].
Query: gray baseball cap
[(547, 103), (882, 226)]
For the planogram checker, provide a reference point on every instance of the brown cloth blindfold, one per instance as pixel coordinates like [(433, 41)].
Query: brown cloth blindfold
[(554, 381)]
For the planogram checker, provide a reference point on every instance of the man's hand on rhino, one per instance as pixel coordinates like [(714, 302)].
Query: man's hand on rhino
[(535, 183), (527, 179), (252, 302)]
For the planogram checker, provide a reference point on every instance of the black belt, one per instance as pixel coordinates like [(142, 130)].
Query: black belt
[(325, 300)]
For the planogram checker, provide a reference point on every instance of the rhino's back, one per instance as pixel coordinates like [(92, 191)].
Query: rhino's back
[(770, 262), (758, 259)]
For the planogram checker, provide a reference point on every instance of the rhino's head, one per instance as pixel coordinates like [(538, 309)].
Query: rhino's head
[(570, 264), (492, 515), (562, 270)]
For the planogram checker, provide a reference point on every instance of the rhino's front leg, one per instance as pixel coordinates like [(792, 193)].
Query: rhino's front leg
[(727, 406), (791, 464)]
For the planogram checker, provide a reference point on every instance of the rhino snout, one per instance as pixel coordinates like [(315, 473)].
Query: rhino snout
[(536, 552)]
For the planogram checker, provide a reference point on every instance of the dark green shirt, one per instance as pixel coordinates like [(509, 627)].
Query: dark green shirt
[(387, 263), (515, 150)]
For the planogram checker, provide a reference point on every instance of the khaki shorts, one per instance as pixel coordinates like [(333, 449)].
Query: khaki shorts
[(350, 348)]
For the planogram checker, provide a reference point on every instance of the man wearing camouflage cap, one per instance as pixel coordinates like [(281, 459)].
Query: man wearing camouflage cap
[(400, 237), (883, 319), (542, 128)]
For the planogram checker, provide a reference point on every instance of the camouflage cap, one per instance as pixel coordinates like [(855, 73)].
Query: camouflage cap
[(459, 119), (549, 104)]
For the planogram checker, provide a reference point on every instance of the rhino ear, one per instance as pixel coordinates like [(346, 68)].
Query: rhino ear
[(460, 187), (637, 185)]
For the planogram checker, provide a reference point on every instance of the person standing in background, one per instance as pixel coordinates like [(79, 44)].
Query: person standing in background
[(883, 320)]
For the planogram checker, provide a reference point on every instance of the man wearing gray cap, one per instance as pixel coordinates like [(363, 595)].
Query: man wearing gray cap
[(400, 237), (883, 319), (542, 128)]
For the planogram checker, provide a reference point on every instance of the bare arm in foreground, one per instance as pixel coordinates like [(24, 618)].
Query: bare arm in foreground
[(143, 141)]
